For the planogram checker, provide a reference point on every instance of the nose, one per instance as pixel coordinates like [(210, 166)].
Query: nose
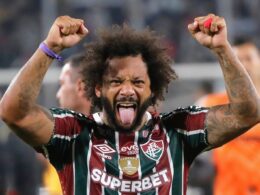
[(127, 90)]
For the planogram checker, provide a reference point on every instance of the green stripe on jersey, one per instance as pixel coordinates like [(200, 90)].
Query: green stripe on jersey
[(81, 162), (112, 165), (176, 150)]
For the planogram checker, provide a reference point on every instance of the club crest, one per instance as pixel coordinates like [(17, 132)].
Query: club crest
[(153, 149)]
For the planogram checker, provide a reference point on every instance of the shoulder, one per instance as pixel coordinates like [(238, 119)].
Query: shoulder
[(185, 118), (68, 116), (185, 111), (63, 112)]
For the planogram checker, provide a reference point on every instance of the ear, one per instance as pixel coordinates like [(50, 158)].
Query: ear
[(98, 91), (80, 87)]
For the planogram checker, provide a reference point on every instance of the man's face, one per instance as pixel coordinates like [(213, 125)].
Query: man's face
[(125, 93), (249, 56), (67, 93)]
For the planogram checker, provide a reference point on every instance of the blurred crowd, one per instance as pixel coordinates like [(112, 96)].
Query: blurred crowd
[(24, 20), (169, 18)]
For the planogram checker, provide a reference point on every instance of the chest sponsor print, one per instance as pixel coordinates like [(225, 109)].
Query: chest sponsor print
[(130, 186), (129, 149), (153, 149)]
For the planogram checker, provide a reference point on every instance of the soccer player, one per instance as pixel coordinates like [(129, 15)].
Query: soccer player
[(72, 86), (124, 149)]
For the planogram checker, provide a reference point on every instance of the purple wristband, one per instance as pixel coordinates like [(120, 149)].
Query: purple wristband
[(49, 52)]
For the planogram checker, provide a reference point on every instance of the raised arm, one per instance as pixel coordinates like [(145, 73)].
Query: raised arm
[(226, 122), (18, 107)]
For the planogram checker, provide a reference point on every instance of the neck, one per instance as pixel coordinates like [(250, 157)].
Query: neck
[(84, 109)]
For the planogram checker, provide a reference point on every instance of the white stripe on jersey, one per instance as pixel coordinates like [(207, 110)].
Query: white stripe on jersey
[(191, 111), (74, 169), (118, 156), (68, 138), (139, 171), (97, 118), (197, 112), (88, 160), (182, 169), (185, 132), (63, 115)]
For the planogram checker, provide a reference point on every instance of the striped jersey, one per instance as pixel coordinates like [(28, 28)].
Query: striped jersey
[(93, 159)]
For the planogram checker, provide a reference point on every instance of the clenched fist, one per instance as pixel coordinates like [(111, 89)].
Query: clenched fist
[(210, 31), (65, 32)]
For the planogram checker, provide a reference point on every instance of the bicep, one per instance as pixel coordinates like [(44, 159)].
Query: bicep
[(36, 128), (223, 125)]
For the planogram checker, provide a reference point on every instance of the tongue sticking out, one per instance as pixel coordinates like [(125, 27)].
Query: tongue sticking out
[(126, 115)]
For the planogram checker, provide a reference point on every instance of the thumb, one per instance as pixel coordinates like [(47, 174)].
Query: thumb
[(83, 30)]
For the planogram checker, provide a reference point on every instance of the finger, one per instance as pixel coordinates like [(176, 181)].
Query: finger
[(193, 27), (76, 25), (63, 23), (199, 18), (217, 24), (205, 23), (69, 25), (220, 23)]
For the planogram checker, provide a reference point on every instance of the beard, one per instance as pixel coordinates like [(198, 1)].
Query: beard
[(111, 114)]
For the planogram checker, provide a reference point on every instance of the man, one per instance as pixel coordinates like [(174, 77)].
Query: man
[(238, 158), (123, 148), (71, 88)]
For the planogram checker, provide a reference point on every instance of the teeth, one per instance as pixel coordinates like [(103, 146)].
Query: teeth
[(125, 105)]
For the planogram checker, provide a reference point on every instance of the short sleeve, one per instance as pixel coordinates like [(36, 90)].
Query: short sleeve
[(189, 124), (68, 125)]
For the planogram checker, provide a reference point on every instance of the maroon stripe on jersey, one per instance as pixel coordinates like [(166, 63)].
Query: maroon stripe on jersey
[(66, 179), (128, 148), (95, 162), (64, 126), (159, 134), (188, 121), (195, 121)]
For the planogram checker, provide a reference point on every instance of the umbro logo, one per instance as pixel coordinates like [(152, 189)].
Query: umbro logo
[(104, 148), (104, 151)]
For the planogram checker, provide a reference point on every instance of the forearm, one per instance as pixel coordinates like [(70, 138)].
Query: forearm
[(240, 89), (225, 122), (21, 95)]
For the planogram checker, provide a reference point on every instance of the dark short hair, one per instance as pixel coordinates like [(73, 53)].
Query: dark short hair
[(122, 41), (75, 60), (241, 40)]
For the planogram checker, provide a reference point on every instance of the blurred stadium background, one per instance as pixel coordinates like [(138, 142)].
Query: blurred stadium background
[(24, 24)]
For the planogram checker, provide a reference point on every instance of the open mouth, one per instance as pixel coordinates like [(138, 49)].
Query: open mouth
[(126, 112)]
